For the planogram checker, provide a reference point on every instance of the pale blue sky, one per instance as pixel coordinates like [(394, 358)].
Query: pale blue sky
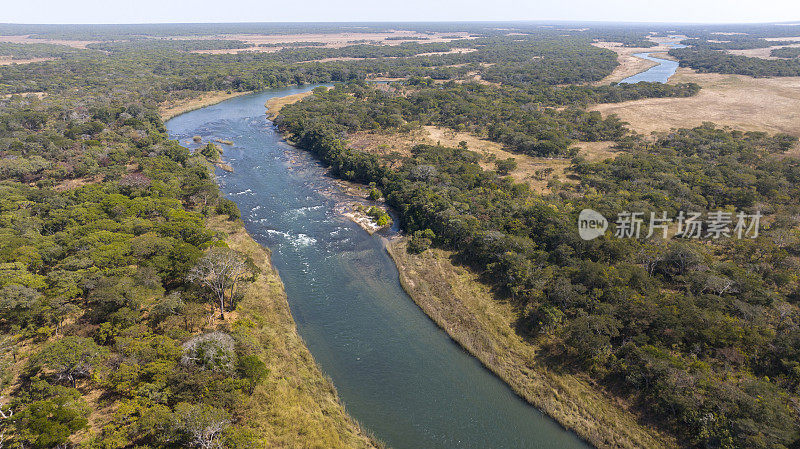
[(147, 11)]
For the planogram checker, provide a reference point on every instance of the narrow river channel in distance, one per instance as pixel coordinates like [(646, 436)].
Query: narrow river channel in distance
[(660, 73), (395, 370)]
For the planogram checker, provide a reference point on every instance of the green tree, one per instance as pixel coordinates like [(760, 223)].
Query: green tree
[(49, 415), (505, 166), (70, 358)]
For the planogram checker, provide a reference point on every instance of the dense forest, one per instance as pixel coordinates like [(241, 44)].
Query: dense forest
[(717, 61), (524, 120), (110, 293), (624, 311), (103, 249), (785, 52)]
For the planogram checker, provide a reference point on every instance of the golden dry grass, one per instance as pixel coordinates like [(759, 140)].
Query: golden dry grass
[(8, 60), (763, 53), (738, 101), (527, 166), (466, 309), (349, 58), (330, 40), (173, 108), (335, 40), (27, 39), (297, 406), (275, 104), (233, 51), (27, 94)]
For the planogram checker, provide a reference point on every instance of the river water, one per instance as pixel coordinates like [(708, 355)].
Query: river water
[(395, 370), (659, 73)]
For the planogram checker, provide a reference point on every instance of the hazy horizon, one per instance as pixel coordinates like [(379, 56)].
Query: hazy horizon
[(94, 12)]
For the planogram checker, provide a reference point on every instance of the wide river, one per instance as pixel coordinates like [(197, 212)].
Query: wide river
[(395, 370)]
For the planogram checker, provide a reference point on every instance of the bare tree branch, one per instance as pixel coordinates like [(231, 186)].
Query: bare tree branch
[(220, 270)]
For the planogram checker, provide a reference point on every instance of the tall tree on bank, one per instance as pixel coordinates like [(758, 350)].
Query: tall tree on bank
[(220, 270)]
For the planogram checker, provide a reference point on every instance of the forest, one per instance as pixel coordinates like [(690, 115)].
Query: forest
[(785, 52), (111, 293), (716, 61), (623, 311), (108, 278)]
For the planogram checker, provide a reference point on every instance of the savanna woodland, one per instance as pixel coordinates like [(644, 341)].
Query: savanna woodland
[(131, 317)]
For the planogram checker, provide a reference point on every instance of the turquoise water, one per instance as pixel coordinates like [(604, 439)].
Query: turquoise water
[(395, 370)]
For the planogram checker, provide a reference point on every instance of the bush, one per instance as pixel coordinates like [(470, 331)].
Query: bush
[(229, 208), (504, 166), (211, 152), (375, 194), (420, 241), (253, 369), (213, 351)]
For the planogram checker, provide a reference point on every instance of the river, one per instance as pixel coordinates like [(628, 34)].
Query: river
[(659, 73), (395, 370)]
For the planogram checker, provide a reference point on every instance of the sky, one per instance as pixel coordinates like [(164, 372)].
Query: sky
[(152, 11)]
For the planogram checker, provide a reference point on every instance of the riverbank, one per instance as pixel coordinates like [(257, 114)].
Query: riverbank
[(629, 64), (275, 104), (173, 109), (297, 406), (466, 309)]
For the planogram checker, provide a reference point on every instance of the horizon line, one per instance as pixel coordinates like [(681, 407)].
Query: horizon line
[(515, 21)]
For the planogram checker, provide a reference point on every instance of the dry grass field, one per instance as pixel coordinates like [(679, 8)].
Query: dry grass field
[(275, 104), (330, 40), (530, 170), (26, 94), (27, 39), (763, 53), (738, 101), (8, 60), (335, 40)]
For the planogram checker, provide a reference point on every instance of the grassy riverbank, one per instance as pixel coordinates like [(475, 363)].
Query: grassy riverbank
[(172, 109), (275, 104), (466, 309), (297, 406)]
